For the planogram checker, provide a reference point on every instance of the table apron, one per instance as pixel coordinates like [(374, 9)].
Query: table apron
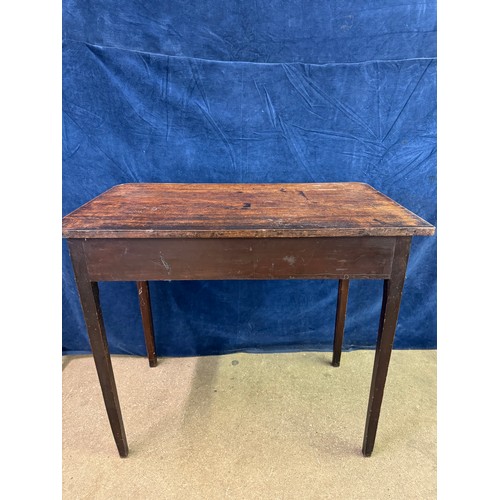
[(239, 258)]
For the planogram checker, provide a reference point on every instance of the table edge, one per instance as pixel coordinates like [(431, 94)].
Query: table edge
[(249, 233)]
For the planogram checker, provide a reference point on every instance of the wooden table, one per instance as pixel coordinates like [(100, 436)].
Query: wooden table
[(143, 232)]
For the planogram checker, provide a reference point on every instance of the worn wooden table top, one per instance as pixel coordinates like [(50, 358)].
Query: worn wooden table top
[(242, 211)]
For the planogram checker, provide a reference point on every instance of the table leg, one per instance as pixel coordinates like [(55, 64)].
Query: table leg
[(147, 321), (393, 289), (89, 298), (340, 321)]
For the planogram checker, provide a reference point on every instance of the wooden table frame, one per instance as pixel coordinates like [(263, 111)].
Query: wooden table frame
[(214, 256)]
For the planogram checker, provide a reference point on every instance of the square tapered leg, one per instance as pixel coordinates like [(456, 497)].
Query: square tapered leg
[(147, 321), (393, 289), (340, 321), (89, 298)]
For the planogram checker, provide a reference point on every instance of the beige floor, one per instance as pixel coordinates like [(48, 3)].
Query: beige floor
[(251, 426)]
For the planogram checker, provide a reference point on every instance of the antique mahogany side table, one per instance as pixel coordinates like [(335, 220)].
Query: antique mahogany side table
[(143, 232)]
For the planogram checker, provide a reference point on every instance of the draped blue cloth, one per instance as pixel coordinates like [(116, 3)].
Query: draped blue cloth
[(296, 91)]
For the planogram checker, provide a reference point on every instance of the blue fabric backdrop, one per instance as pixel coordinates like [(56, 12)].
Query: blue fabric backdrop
[(227, 91)]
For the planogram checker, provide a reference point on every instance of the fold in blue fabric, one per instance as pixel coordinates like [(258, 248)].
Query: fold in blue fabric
[(251, 92)]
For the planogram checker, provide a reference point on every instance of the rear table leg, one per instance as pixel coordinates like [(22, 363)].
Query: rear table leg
[(340, 321), (147, 321)]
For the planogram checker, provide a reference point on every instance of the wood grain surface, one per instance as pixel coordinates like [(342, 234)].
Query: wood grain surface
[(242, 211)]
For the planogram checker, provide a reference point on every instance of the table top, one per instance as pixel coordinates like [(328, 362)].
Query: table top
[(242, 211)]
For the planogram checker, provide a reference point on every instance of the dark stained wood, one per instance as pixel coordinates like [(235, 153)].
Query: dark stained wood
[(393, 289), (340, 320), (147, 321), (239, 258), (89, 298), (242, 211), (142, 232)]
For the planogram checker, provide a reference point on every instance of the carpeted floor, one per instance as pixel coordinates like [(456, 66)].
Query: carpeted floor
[(251, 426)]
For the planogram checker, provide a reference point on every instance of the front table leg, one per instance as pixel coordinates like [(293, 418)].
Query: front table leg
[(89, 298), (393, 289)]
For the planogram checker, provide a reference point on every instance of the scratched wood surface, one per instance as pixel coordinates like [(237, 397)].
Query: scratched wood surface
[(242, 211)]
